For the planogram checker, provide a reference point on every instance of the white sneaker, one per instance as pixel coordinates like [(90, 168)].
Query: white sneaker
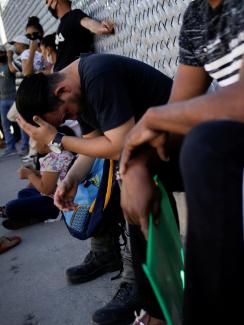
[(8, 152), (141, 319), (28, 158), (145, 319)]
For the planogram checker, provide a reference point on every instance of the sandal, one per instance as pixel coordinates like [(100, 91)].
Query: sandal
[(7, 243), (17, 223)]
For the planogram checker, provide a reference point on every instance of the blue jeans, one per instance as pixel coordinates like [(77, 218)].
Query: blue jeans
[(30, 203), (5, 105), (24, 140), (212, 161)]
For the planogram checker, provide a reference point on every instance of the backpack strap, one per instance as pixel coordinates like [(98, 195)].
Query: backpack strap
[(109, 187)]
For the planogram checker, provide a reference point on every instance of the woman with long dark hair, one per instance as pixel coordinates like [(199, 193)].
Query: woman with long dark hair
[(31, 59)]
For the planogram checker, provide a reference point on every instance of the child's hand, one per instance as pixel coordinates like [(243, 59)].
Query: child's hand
[(24, 172)]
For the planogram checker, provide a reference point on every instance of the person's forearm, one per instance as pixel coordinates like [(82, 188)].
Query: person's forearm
[(180, 117), (99, 146), (10, 66), (80, 168), (36, 181), (95, 27), (28, 66), (92, 25)]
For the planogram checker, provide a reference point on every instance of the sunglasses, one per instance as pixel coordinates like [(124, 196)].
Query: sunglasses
[(34, 36)]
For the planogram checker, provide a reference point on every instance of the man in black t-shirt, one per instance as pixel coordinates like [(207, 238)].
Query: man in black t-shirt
[(108, 93), (75, 32), (75, 36)]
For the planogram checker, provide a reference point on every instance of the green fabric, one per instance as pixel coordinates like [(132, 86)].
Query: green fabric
[(165, 262)]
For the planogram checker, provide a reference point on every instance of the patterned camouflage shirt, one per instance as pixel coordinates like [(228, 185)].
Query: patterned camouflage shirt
[(214, 39)]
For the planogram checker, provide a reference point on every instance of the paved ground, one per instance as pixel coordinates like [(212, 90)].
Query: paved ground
[(33, 288)]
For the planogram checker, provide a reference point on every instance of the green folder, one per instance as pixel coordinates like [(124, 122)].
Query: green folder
[(165, 262)]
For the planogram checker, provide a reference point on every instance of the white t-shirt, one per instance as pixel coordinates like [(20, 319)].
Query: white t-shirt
[(75, 126), (38, 63)]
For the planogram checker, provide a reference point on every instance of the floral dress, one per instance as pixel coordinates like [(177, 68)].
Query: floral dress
[(57, 163)]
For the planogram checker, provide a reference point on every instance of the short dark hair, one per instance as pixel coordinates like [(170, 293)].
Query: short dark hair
[(35, 95)]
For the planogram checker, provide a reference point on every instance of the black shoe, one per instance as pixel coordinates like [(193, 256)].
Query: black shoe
[(17, 223), (120, 310), (95, 264)]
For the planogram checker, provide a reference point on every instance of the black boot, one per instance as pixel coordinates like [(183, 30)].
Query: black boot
[(17, 223), (94, 265), (120, 310)]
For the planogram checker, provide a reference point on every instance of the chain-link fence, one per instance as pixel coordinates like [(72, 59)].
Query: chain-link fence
[(145, 29)]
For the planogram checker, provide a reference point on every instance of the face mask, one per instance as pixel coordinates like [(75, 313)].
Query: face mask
[(3, 59), (53, 12), (15, 50)]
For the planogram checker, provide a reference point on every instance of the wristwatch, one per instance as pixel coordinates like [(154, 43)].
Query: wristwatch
[(55, 145)]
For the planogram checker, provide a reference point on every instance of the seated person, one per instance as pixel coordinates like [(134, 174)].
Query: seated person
[(108, 93), (35, 203)]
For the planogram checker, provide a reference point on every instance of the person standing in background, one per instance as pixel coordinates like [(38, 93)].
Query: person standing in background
[(75, 32), (19, 44), (7, 98), (32, 62), (31, 59)]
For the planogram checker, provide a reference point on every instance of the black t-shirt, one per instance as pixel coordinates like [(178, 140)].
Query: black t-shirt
[(118, 88), (214, 39), (72, 39)]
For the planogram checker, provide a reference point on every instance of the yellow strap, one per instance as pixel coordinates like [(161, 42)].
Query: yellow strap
[(109, 188)]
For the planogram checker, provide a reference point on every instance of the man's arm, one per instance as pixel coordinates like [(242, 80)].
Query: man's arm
[(180, 116), (189, 82), (66, 191), (80, 168), (108, 145), (99, 28)]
